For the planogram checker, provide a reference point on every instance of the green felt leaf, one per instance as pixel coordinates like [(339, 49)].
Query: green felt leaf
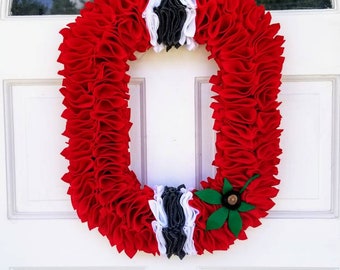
[(217, 219), (249, 181), (235, 222), (227, 186), (210, 196), (244, 207)]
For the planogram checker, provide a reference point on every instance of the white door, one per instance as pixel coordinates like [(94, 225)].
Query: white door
[(38, 228)]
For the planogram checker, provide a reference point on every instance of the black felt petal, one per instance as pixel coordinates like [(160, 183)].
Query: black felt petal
[(172, 16), (174, 235)]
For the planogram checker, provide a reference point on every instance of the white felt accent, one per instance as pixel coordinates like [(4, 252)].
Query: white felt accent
[(190, 217), (161, 219), (189, 3), (188, 30), (189, 27), (152, 23)]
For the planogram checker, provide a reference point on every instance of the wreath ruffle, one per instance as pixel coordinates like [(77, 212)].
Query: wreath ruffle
[(104, 191)]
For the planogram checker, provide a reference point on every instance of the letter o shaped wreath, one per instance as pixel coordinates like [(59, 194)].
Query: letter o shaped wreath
[(106, 194)]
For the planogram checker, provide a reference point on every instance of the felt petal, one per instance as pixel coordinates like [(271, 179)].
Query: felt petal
[(217, 219), (227, 186), (244, 207), (210, 196), (235, 222)]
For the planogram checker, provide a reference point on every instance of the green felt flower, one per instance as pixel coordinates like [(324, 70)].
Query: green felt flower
[(232, 204)]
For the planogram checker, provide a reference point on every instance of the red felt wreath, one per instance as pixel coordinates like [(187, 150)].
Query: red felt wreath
[(95, 50)]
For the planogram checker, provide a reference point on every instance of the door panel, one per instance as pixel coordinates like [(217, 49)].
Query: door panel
[(43, 7), (172, 141)]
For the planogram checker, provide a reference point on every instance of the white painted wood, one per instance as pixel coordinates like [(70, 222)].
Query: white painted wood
[(137, 268), (138, 130), (38, 229), (33, 143), (268, 268), (170, 110), (309, 167), (76, 268), (34, 163), (309, 106), (205, 136)]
